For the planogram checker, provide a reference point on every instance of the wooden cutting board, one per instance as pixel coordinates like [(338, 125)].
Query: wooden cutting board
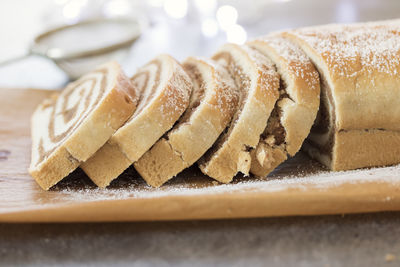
[(299, 187)]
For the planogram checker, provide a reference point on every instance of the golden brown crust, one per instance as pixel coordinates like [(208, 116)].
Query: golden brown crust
[(359, 149), (295, 110), (258, 84), (114, 109), (54, 169), (365, 148), (213, 102), (132, 140), (109, 161)]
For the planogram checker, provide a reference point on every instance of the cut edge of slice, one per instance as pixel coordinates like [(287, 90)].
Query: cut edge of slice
[(296, 109), (258, 85), (322, 135)]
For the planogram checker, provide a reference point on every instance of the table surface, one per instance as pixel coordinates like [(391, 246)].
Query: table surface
[(350, 240)]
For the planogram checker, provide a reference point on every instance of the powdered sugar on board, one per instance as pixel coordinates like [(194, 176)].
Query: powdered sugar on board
[(293, 175)]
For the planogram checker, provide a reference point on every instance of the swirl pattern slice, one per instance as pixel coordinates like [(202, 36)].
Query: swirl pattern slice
[(296, 109), (164, 90), (258, 85), (212, 104), (70, 126)]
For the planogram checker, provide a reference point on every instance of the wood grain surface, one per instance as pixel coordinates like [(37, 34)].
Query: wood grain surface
[(298, 187)]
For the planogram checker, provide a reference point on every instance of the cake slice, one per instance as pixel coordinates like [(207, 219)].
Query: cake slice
[(296, 109), (258, 85), (358, 124), (164, 90), (212, 104), (72, 125)]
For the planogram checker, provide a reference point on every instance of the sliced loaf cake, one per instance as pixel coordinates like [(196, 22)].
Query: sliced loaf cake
[(72, 125), (212, 104), (164, 90), (359, 119), (296, 109), (258, 85)]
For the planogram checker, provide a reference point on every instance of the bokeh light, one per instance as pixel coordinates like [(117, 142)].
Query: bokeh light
[(236, 34), (176, 9), (73, 8), (209, 27), (227, 16)]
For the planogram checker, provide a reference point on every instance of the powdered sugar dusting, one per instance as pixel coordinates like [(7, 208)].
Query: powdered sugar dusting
[(223, 93), (228, 93), (322, 180), (265, 67), (298, 63), (285, 48), (349, 49), (178, 98)]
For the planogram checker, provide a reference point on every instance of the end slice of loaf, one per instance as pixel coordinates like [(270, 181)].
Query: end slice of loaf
[(72, 125), (296, 109), (164, 90), (358, 124), (212, 104), (258, 85)]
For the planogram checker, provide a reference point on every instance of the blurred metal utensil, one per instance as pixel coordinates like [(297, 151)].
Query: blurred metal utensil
[(80, 47)]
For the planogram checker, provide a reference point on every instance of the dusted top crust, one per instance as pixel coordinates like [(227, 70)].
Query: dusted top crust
[(295, 65), (361, 65)]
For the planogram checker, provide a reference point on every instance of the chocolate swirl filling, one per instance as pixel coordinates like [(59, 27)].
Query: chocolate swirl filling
[(70, 114), (141, 81)]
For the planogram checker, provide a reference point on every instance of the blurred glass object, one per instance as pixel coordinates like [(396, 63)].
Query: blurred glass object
[(79, 48)]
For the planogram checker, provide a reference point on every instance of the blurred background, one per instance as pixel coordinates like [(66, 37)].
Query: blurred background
[(178, 27)]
